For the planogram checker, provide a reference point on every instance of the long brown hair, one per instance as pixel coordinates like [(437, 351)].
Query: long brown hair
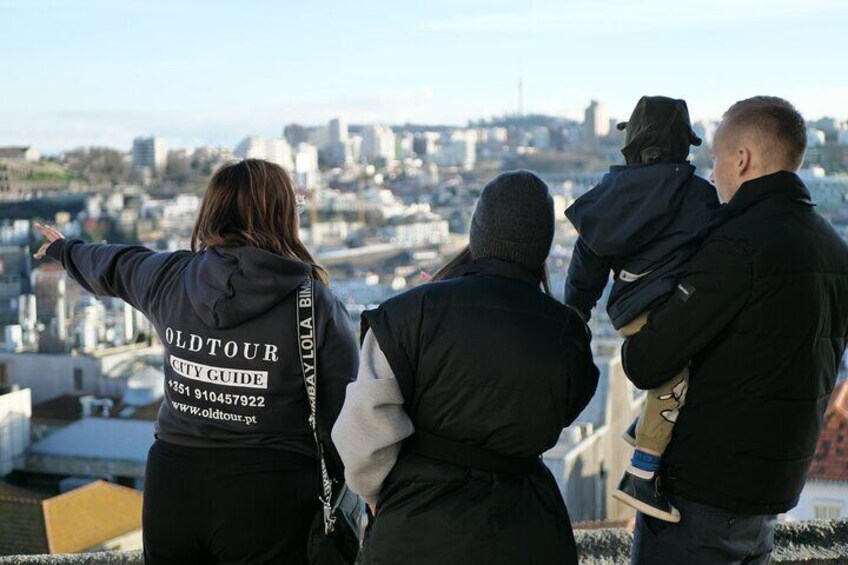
[(449, 269), (252, 203)]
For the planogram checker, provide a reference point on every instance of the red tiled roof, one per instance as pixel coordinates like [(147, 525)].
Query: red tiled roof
[(830, 463)]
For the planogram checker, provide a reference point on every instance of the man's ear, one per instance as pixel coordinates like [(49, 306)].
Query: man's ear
[(743, 161)]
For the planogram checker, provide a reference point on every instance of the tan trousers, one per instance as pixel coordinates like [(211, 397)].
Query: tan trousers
[(662, 404)]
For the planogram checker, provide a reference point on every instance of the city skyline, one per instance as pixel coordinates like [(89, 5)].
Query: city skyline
[(99, 73)]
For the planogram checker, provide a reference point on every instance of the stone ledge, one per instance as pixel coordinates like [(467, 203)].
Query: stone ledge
[(822, 542), (100, 558)]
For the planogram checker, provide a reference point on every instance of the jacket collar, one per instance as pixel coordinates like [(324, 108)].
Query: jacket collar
[(498, 268), (781, 184)]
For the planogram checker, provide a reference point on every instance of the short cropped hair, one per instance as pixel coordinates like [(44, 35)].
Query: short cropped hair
[(775, 125)]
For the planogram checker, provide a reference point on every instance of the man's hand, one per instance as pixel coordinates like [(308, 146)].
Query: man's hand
[(51, 234)]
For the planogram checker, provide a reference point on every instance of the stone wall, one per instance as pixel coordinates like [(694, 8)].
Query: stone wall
[(801, 543)]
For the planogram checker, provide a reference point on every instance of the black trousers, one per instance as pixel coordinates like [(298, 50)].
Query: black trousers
[(227, 506)]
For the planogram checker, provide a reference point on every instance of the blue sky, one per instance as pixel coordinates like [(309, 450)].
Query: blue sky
[(100, 72)]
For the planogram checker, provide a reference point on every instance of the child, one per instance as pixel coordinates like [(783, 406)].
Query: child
[(644, 221)]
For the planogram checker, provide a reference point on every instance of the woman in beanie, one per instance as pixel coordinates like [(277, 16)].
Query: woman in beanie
[(463, 384)]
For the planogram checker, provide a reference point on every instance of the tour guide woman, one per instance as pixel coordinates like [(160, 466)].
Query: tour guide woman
[(463, 384), (232, 476)]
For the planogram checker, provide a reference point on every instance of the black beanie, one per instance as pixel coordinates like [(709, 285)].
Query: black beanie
[(514, 220)]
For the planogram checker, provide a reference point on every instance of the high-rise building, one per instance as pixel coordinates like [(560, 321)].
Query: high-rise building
[(815, 137), (457, 149), (540, 137), (338, 130), (275, 150), (378, 143), (150, 152), (596, 121), (295, 133), (306, 165), (339, 149), (15, 268), (403, 145), (425, 143), (319, 137)]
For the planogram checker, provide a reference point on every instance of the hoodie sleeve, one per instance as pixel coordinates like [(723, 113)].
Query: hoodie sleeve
[(588, 275), (338, 362), (582, 373), (373, 424), (129, 272)]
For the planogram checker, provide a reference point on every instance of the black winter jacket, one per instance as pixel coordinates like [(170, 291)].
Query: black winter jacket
[(227, 320), (485, 359), (762, 314), (643, 222)]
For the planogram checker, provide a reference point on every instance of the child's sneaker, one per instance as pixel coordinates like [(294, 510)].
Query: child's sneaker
[(645, 496), (629, 435)]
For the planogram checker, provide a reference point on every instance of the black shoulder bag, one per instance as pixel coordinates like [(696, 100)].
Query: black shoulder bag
[(334, 536)]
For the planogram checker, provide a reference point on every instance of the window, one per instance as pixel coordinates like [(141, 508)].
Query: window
[(827, 511), (78, 383)]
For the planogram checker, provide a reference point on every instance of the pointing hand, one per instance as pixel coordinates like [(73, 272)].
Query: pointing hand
[(51, 234)]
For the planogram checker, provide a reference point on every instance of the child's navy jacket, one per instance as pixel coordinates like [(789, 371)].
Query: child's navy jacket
[(643, 222)]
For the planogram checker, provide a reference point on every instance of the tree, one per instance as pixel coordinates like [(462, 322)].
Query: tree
[(97, 165)]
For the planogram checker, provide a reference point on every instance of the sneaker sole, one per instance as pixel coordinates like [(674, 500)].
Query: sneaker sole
[(621, 496)]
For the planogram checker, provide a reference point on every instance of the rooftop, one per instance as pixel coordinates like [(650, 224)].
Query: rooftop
[(75, 521), (67, 408), (830, 462), (95, 438)]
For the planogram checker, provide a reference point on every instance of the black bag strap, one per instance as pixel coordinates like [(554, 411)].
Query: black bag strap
[(430, 445), (306, 340)]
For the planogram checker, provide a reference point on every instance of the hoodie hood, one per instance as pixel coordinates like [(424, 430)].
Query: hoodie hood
[(630, 206), (231, 285)]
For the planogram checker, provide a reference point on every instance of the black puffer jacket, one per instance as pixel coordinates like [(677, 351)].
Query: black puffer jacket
[(488, 360), (762, 314)]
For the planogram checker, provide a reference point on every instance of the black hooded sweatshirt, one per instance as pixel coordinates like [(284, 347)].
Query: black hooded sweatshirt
[(227, 319)]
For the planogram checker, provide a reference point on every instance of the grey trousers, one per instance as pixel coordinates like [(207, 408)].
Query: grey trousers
[(705, 535)]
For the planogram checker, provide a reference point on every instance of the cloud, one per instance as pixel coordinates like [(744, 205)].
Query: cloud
[(597, 18)]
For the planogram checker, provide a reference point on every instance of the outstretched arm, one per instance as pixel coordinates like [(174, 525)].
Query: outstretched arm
[(129, 272)]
